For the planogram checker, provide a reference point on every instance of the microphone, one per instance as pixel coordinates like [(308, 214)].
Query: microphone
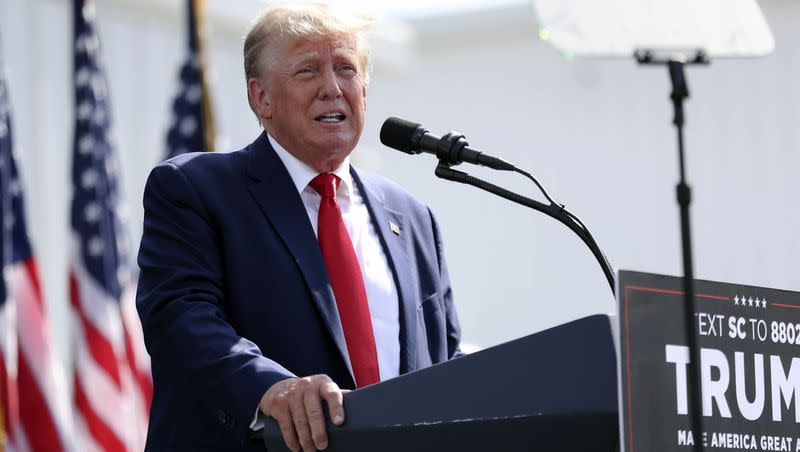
[(412, 138)]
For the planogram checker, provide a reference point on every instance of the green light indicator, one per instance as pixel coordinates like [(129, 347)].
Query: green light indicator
[(544, 34)]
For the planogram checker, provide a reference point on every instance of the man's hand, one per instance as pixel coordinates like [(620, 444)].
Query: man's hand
[(296, 404)]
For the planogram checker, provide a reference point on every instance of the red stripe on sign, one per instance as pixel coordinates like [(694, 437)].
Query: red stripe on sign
[(628, 369), (785, 305), (101, 433), (99, 346), (676, 292), (37, 420)]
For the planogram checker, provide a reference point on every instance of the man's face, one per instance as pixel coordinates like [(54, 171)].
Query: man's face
[(314, 98)]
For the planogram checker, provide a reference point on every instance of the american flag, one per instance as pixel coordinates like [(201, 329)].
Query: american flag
[(192, 124), (113, 385), (34, 402)]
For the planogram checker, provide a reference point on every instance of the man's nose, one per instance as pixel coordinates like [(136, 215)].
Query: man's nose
[(329, 85)]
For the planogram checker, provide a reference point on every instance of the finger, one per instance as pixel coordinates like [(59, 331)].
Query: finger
[(335, 399), (296, 406), (316, 420), (280, 412)]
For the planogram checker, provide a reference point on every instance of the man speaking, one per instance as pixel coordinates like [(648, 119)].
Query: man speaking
[(276, 276)]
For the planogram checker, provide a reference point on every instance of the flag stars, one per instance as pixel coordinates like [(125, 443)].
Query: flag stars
[(85, 110), (99, 87), (111, 168), (89, 179), (188, 126), (87, 44), (83, 77), (14, 188), (99, 116), (123, 275), (95, 247), (88, 12), (86, 144), (193, 93), (92, 212)]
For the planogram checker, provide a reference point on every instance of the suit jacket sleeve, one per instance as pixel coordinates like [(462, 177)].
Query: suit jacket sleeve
[(182, 305), (452, 325)]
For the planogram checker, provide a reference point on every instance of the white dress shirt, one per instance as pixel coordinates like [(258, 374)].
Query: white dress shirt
[(384, 307)]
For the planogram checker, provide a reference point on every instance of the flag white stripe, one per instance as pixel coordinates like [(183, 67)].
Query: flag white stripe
[(99, 307), (86, 440), (34, 344), (109, 403)]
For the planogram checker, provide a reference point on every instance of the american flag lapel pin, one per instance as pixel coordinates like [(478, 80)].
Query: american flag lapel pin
[(394, 227)]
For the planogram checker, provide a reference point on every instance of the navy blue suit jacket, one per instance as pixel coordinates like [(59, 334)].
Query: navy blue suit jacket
[(234, 294)]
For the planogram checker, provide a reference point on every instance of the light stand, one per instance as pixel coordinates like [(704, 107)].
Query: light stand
[(680, 91)]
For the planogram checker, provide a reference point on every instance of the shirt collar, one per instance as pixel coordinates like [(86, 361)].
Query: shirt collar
[(302, 174)]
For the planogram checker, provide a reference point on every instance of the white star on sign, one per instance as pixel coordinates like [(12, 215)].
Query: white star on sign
[(736, 300), (750, 300)]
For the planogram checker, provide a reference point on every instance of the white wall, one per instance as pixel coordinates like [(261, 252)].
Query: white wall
[(596, 133)]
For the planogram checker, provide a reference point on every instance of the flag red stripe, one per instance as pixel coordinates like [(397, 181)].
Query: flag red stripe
[(100, 348), (40, 429), (143, 380), (101, 433), (33, 274)]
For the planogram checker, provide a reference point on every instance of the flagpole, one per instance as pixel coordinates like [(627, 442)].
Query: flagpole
[(199, 31)]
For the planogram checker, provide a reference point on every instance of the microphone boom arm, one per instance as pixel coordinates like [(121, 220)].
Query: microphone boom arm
[(553, 210)]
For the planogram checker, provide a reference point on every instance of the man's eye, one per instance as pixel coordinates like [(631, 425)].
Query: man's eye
[(304, 71), (347, 68)]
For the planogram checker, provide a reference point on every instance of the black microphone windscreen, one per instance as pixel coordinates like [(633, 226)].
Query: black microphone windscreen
[(398, 133)]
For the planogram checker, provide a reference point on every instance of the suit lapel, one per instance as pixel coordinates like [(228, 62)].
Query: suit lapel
[(392, 228), (274, 191)]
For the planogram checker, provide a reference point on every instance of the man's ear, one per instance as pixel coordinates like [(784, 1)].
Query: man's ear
[(259, 97)]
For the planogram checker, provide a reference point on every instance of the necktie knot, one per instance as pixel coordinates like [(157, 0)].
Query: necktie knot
[(325, 184)]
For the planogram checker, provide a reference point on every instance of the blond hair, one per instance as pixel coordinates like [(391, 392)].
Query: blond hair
[(305, 21)]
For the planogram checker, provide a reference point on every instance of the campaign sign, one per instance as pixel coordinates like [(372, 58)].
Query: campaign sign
[(749, 340)]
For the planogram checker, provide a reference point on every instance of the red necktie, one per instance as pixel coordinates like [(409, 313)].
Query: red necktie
[(347, 282)]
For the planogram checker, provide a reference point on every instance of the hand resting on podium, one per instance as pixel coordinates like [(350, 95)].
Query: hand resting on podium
[(296, 403)]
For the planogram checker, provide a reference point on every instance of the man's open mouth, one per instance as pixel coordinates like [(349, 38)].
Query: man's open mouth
[(331, 117)]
